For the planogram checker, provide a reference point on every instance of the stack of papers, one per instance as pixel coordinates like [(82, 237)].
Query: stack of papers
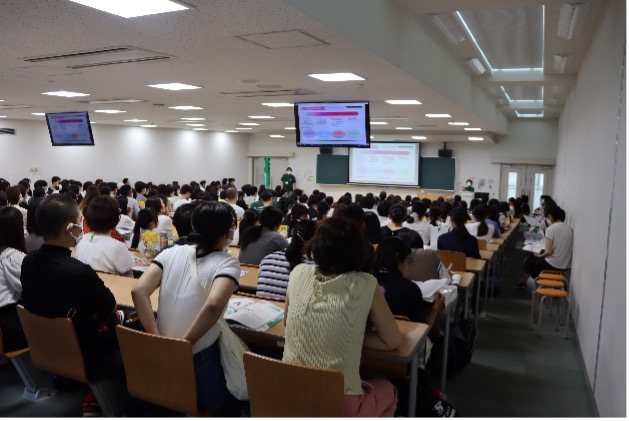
[(430, 287), (535, 247), (256, 315)]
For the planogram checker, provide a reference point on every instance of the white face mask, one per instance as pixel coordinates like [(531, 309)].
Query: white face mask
[(289, 172), (469, 184)]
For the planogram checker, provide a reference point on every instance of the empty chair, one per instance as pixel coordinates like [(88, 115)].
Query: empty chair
[(456, 258)]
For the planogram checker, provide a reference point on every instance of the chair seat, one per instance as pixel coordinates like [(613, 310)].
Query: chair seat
[(549, 284), (552, 276), (14, 354), (552, 292)]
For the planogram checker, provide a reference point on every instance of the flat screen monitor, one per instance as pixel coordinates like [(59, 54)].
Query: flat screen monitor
[(385, 163), (70, 129), (332, 124)]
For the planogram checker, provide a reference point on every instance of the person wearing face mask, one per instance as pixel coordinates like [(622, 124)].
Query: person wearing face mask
[(56, 285), (288, 180), (468, 186)]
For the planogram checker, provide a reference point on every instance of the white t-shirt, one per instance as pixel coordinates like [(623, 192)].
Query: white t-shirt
[(125, 224), (180, 202), (422, 227), (384, 220), (561, 234), (10, 271), (179, 302), (240, 212), (135, 207), (472, 228), (435, 232), (164, 223), (104, 254), (250, 199)]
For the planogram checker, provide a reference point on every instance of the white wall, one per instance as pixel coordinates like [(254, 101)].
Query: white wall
[(592, 156), (527, 139), (148, 154)]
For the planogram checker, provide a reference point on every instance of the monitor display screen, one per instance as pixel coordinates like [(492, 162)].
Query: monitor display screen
[(70, 129), (385, 163), (332, 124)]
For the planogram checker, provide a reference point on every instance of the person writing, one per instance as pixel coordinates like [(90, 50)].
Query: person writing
[(288, 180)]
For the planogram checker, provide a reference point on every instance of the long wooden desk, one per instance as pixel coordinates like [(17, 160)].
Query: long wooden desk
[(121, 287), (476, 266), (249, 281)]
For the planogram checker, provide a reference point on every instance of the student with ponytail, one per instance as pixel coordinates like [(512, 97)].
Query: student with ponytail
[(261, 240), (479, 228), (397, 215), (459, 238), (147, 221)]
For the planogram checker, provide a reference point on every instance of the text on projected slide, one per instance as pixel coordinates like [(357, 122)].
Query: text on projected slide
[(394, 163), (321, 124)]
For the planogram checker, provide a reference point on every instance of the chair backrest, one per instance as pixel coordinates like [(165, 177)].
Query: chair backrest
[(159, 370), (279, 389), (53, 345), (482, 244), (456, 258)]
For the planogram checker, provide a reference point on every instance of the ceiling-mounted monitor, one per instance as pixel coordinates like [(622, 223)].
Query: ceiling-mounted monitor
[(70, 129), (332, 124)]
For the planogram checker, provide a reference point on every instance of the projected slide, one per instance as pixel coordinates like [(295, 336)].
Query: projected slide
[(69, 128), (385, 163), (327, 124)]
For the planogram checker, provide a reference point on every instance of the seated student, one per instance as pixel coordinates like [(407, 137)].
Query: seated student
[(164, 223), (190, 314), (437, 226), (493, 218), (383, 212), (297, 212), (126, 191), (276, 267), (147, 221), (327, 308), (459, 238), (251, 194), (392, 260), (125, 224), (479, 227), (356, 214), (185, 192), (97, 248), (12, 252), (322, 210), (54, 284), (266, 199), (231, 196), (33, 239), (425, 264), (15, 197), (250, 218), (182, 220), (415, 221), (262, 240), (140, 191), (373, 232), (397, 215), (557, 253), (313, 199)]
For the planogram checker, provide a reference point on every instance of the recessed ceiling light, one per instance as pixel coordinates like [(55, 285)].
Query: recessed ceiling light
[(378, 123), (438, 115), (475, 139), (458, 123), (193, 118), (472, 129), (174, 86), (244, 128), (336, 77), (419, 137), (249, 124), (277, 104), (199, 129), (2, 100), (110, 111), (195, 124), (3, 116), (290, 128), (276, 135), (135, 120), (403, 128), (67, 94), (116, 101), (371, 137), (231, 131), (261, 117), (148, 125), (131, 9), (185, 107), (403, 102), (38, 113)]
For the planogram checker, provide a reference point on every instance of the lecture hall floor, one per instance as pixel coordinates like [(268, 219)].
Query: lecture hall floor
[(513, 373)]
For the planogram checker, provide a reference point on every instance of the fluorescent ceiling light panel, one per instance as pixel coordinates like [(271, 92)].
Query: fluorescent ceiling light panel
[(529, 115), (38, 113), (276, 135), (3, 116), (193, 118), (472, 129), (471, 35), (148, 125), (231, 131), (249, 124), (185, 107), (66, 94), (195, 125), (568, 16), (174, 86), (336, 77), (458, 123), (378, 123), (116, 101), (133, 8), (110, 111), (200, 129), (403, 102), (476, 65), (244, 128), (261, 117), (475, 138), (419, 137), (135, 120), (403, 128), (2, 100), (371, 137), (290, 128), (448, 27), (438, 115), (277, 104)]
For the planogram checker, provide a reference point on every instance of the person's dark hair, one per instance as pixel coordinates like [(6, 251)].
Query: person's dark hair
[(382, 195), (336, 247), (13, 194), (3, 199), (55, 178), (302, 232), (155, 203), (474, 202), (344, 200), (285, 203), (40, 183), (123, 203), (266, 195), (480, 214), (231, 193), (124, 190), (410, 237), (312, 200), (493, 201), (270, 217), (224, 181), (329, 200), (249, 219), (373, 233), (12, 229), (303, 198), (525, 198), (54, 213), (367, 202), (456, 198), (298, 210), (354, 213), (390, 253), (383, 208), (459, 217), (397, 213), (242, 204), (185, 189), (322, 209), (211, 221), (39, 192), (418, 208), (104, 190), (182, 219), (31, 221), (446, 208), (357, 198), (435, 214), (145, 217), (555, 211), (102, 214), (90, 194), (139, 186)]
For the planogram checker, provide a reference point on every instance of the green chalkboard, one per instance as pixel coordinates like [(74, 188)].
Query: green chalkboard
[(434, 173), (437, 173), (332, 169)]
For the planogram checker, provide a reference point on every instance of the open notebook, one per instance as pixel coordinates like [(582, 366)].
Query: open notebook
[(256, 315)]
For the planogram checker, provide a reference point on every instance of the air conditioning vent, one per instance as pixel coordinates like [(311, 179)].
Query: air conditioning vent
[(100, 57), (7, 131), (269, 92), (15, 106)]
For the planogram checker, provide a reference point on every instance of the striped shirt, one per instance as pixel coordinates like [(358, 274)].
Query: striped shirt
[(273, 275)]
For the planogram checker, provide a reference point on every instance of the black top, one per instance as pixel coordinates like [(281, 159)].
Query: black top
[(54, 283), (403, 296), (449, 241)]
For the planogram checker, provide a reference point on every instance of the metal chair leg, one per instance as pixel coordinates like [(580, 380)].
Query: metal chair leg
[(532, 319)]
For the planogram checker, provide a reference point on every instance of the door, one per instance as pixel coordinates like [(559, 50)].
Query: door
[(512, 181), (530, 180), (539, 182)]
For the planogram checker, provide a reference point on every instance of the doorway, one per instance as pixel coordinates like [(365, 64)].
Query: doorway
[(530, 180)]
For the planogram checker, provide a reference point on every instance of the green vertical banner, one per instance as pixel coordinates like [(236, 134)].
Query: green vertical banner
[(267, 172)]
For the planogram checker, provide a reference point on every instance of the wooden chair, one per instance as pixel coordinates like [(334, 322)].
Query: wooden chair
[(456, 258), (159, 370), (279, 389), (482, 244), (37, 387), (55, 348)]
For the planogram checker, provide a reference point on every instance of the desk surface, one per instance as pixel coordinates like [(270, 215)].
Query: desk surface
[(249, 280), (474, 265), (493, 247), (467, 279), (121, 287), (486, 254)]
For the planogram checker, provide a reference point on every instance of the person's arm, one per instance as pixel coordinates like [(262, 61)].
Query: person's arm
[(220, 292), (387, 336), (141, 293), (437, 305), (548, 250)]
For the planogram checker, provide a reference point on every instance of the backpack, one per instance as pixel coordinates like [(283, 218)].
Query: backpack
[(460, 348)]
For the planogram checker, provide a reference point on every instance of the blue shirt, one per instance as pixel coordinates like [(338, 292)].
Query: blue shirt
[(449, 241), (496, 226)]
